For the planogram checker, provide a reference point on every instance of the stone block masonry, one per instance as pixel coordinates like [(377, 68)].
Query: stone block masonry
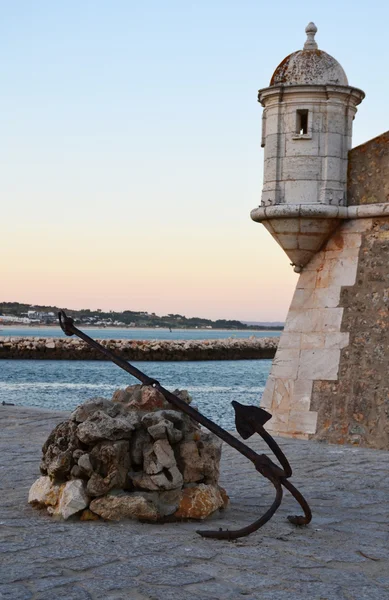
[(355, 407), (329, 379), (342, 555), (368, 172), (310, 347)]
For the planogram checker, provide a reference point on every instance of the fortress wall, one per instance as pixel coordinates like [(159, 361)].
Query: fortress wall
[(355, 407), (330, 376), (310, 346), (368, 172)]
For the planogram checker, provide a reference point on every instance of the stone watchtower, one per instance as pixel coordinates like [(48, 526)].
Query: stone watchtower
[(306, 132), (328, 208)]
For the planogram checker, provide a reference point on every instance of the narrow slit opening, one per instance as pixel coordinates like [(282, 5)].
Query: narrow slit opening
[(302, 122)]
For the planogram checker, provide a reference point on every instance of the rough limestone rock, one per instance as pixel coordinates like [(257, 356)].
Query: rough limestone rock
[(151, 464), (168, 479), (126, 506), (44, 492), (164, 454), (190, 462), (100, 426), (111, 459), (73, 498), (131, 392), (143, 398), (88, 515), (130, 457), (86, 410), (199, 502), (157, 457), (77, 473), (166, 502), (181, 423), (84, 463), (163, 430), (110, 463), (210, 450), (140, 439), (143, 481), (58, 460), (77, 454)]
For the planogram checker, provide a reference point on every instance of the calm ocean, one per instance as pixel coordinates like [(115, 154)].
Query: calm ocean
[(62, 385)]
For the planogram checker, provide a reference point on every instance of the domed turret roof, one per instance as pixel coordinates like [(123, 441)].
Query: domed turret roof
[(309, 66)]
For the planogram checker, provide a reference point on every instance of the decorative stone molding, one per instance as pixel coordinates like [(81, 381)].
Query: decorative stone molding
[(302, 229)]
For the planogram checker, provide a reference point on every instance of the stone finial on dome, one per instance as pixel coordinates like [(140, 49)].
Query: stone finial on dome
[(310, 30)]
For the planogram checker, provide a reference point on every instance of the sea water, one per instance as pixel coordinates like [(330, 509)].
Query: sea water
[(138, 334), (64, 384)]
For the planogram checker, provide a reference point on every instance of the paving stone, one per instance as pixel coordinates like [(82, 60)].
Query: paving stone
[(150, 562), (215, 589), (123, 595), (98, 587), (48, 583), (347, 579), (123, 570), (368, 593), (65, 593), (342, 555), (175, 577), (288, 595), (322, 591), (87, 561), (166, 593), (198, 552), (14, 592), (55, 552), (11, 573)]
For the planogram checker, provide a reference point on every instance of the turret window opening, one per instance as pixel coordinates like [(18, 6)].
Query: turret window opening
[(302, 122)]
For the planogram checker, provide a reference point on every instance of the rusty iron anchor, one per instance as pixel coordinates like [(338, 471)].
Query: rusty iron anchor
[(248, 420)]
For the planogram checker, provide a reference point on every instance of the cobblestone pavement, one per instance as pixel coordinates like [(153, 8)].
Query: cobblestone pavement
[(342, 555)]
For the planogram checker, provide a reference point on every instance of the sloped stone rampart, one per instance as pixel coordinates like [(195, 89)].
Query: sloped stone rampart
[(354, 409), (153, 350), (329, 379)]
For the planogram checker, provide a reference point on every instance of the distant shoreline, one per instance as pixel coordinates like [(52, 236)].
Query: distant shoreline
[(83, 326)]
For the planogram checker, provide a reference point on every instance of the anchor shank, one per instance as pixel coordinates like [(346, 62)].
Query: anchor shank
[(69, 328)]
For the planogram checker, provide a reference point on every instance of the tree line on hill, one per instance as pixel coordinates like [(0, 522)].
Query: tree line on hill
[(129, 318)]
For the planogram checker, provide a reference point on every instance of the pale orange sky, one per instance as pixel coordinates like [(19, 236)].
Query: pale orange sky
[(130, 148), (238, 272)]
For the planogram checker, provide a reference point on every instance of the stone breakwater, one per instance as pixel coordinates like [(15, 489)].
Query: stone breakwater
[(155, 350)]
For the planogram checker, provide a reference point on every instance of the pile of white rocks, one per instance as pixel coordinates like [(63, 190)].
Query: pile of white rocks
[(130, 457)]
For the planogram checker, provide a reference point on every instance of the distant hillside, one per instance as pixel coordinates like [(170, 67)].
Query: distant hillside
[(37, 314), (266, 324)]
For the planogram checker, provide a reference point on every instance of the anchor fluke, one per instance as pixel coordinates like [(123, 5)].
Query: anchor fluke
[(249, 418)]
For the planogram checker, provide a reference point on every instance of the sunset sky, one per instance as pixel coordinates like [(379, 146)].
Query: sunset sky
[(130, 147)]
